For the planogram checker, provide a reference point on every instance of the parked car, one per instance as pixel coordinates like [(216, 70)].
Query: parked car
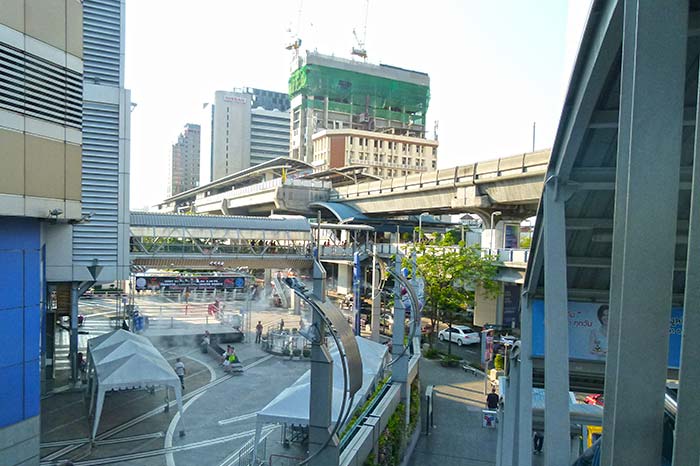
[(460, 334), (595, 399)]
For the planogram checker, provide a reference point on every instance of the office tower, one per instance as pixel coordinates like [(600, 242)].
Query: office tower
[(346, 112), (243, 128), (183, 173)]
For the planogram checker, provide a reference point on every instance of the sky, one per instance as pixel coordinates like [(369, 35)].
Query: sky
[(495, 67)]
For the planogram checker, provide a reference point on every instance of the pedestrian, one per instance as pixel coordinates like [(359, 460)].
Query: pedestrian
[(301, 324), (258, 332), (281, 324), (492, 399), (538, 440), (180, 371)]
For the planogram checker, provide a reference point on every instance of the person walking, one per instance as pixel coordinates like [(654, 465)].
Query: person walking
[(281, 324), (180, 371), (538, 440), (258, 332), (492, 399)]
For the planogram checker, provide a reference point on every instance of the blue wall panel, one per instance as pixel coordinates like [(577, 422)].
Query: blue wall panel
[(21, 285), (31, 389), (11, 396), (11, 273)]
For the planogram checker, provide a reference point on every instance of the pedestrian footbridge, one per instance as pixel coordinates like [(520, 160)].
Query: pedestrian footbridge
[(204, 241)]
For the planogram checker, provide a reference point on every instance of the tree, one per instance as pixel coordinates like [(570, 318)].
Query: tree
[(451, 274)]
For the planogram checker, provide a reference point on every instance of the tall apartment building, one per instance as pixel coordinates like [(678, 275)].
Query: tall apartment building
[(243, 128), (353, 113), (183, 173), (41, 113)]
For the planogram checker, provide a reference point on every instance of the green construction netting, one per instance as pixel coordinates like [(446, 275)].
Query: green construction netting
[(352, 92)]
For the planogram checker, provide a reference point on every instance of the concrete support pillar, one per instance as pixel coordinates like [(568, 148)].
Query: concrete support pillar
[(652, 91), (524, 457), (267, 277), (556, 330), (73, 343), (510, 414), (344, 279), (686, 447)]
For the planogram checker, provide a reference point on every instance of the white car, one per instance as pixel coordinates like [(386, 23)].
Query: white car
[(460, 334)]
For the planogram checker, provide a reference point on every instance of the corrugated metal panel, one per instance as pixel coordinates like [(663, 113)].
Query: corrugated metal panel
[(102, 41), (100, 191), (281, 223)]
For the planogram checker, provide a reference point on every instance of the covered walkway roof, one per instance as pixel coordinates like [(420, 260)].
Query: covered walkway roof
[(614, 228)]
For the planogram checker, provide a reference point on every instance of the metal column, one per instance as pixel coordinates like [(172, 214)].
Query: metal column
[(651, 119), (686, 447), (73, 344), (376, 297), (398, 350), (320, 411), (556, 330), (524, 457)]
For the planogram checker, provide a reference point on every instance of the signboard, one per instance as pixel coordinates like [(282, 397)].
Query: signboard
[(588, 339), (486, 347), (156, 283), (511, 238), (511, 305)]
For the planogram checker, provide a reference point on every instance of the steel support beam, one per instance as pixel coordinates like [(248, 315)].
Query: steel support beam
[(524, 432), (686, 447), (649, 148), (556, 330)]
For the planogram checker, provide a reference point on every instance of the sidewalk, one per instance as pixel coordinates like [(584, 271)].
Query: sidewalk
[(457, 438)]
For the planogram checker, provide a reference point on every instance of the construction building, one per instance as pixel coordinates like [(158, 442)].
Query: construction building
[(346, 112), (244, 128), (183, 173)]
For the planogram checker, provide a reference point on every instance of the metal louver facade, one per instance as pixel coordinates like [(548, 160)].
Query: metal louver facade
[(105, 161)]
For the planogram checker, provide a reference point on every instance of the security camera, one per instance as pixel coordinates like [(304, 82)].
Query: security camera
[(55, 212)]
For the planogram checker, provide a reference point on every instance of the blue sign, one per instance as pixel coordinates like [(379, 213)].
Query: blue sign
[(588, 331)]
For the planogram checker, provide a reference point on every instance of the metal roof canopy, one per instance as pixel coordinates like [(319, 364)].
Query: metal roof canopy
[(220, 226), (275, 164), (648, 108)]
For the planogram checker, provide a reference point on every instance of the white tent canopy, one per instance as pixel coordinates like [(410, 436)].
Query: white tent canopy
[(122, 360), (292, 405)]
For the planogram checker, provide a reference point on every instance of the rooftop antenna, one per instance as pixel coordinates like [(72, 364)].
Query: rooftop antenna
[(360, 50)]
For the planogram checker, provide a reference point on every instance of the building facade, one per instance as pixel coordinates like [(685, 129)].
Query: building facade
[(386, 105), (384, 155), (244, 128), (104, 239), (183, 173), (41, 113)]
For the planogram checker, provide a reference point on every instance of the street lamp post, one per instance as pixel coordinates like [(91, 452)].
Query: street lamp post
[(493, 214), (420, 225)]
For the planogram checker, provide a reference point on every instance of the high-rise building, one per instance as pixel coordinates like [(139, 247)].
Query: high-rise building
[(346, 112), (183, 173), (243, 128), (41, 113)]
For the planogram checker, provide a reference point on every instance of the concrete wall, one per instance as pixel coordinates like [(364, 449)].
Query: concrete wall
[(485, 308)]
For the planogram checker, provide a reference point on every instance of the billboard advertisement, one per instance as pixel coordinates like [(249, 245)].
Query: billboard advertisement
[(511, 239), (155, 283), (588, 326), (511, 305)]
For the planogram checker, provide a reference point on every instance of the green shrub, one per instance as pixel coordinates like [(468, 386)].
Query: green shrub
[(498, 362), (432, 353)]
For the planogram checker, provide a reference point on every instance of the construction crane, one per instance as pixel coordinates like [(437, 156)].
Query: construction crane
[(360, 50), (295, 42)]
